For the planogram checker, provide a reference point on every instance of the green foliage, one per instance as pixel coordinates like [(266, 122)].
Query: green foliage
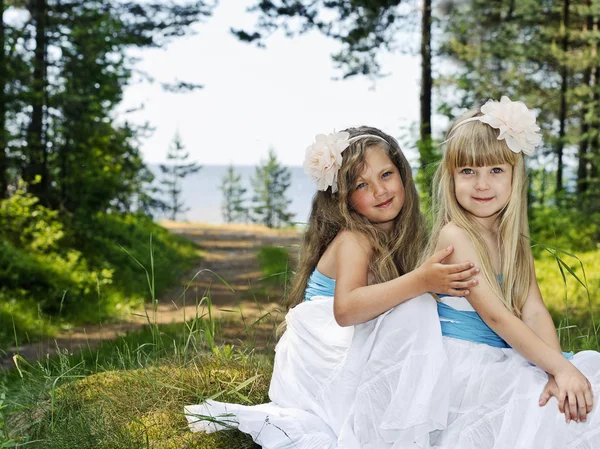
[(363, 27), (21, 319), (274, 263), (64, 106), (270, 183), (76, 267), (27, 224), (34, 260), (232, 208), (570, 229), (110, 240), (573, 310)]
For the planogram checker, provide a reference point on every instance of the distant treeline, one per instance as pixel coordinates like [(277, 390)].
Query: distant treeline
[(268, 204)]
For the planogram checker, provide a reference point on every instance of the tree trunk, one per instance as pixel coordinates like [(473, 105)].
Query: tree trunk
[(594, 151), (3, 142), (582, 168), (426, 78), (564, 74), (425, 146), (511, 10), (38, 161)]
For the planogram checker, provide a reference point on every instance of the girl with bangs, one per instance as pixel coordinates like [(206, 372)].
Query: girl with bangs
[(501, 343), (358, 365)]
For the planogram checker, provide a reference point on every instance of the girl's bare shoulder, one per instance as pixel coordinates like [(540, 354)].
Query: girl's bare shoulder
[(354, 238), (452, 234), (346, 244)]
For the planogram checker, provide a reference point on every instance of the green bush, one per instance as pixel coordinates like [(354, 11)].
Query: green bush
[(568, 229), (78, 268), (35, 260), (274, 263), (112, 241)]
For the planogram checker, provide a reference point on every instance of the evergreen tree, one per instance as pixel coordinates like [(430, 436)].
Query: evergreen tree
[(269, 200), (177, 169), (62, 73), (233, 208)]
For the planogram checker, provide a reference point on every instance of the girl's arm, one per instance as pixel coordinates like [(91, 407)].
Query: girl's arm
[(572, 384), (536, 315), (356, 302)]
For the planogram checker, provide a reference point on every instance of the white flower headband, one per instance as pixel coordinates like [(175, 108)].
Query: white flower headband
[(515, 122), (324, 157)]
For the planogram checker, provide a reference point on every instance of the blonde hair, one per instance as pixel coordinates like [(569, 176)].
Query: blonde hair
[(393, 254), (475, 144)]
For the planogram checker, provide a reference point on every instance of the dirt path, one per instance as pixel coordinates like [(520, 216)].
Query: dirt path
[(228, 251)]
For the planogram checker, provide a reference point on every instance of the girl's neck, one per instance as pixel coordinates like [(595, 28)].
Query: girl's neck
[(385, 227), (487, 225)]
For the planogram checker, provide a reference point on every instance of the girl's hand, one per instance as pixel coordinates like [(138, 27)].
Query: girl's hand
[(575, 398), (551, 389), (447, 279)]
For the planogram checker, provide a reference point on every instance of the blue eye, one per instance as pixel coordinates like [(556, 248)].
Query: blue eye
[(386, 174), (361, 185), (467, 171), (497, 170)]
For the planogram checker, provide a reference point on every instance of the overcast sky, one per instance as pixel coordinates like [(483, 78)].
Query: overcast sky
[(256, 98)]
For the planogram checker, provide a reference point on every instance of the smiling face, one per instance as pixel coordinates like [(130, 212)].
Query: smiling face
[(483, 191), (378, 193)]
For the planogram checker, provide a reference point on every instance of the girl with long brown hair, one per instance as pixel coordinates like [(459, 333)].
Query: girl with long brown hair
[(357, 360)]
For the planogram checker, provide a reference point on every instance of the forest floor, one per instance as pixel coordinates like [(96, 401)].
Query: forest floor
[(228, 274)]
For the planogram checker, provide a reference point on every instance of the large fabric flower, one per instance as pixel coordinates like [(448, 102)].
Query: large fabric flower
[(324, 159), (515, 122)]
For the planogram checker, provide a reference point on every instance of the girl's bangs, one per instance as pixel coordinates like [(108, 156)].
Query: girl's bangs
[(476, 144), (356, 157)]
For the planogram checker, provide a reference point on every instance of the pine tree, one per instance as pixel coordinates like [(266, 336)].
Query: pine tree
[(233, 208), (3, 71), (174, 172), (269, 201)]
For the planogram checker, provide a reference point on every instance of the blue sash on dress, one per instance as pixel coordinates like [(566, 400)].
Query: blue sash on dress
[(319, 285), (468, 325)]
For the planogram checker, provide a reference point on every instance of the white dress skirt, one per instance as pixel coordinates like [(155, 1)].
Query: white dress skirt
[(494, 400), (395, 382), (381, 384)]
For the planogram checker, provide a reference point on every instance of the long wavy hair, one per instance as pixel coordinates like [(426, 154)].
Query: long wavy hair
[(393, 254), (475, 144)]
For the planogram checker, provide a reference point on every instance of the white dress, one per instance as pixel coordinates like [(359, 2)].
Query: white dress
[(395, 382), (379, 385), (494, 400)]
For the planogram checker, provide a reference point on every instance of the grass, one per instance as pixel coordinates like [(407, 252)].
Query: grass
[(570, 287), (130, 393)]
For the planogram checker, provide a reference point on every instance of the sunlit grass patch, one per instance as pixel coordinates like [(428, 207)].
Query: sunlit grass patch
[(21, 321), (83, 402), (573, 300)]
